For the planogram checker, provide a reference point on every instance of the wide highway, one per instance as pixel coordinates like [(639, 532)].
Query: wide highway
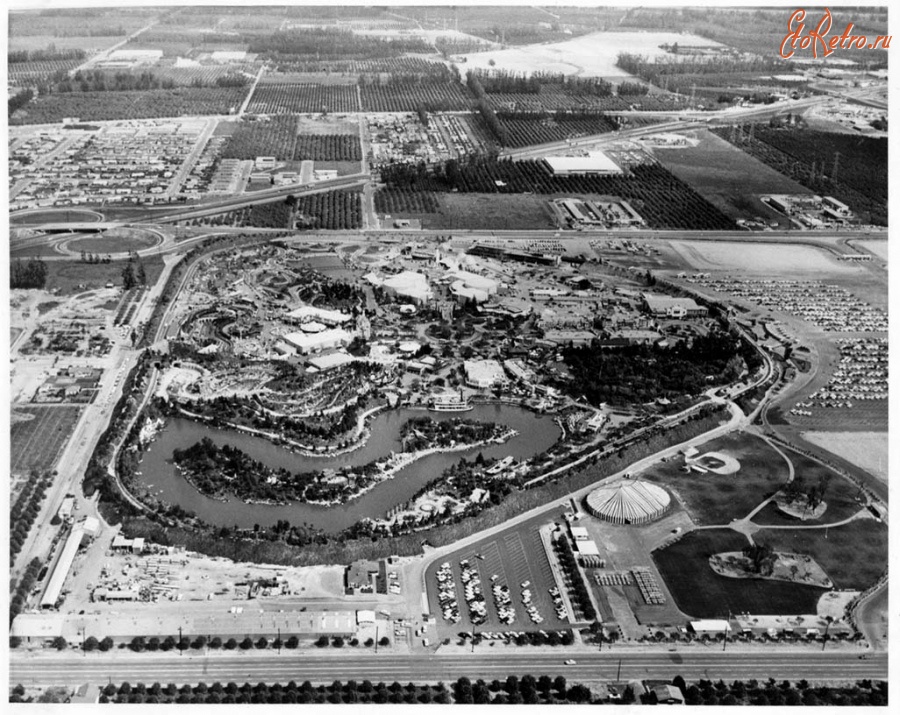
[(692, 662)]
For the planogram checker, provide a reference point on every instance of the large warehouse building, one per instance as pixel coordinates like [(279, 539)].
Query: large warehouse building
[(596, 162)]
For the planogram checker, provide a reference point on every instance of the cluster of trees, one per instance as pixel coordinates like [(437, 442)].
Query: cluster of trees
[(526, 128), (400, 200), (328, 147), (424, 432), (103, 106), (331, 210), (632, 89), (503, 82), (517, 691), (19, 100), (332, 44), (20, 595), (579, 592), (433, 96), (25, 510), (812, 494), (641, 373), (762, 558), (304, 99), (275, 137), (351, 692), (47, 55), (657, 71), (771, 692), (101, 81), (94, 258), (133, 274), (662, 199), (27, 274)]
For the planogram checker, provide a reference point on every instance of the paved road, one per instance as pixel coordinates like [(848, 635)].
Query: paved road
[(328, 665)]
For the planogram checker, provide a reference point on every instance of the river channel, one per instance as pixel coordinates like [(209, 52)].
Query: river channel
[(535, 434)]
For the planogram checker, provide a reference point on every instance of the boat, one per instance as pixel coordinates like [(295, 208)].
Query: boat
[(449, 402)]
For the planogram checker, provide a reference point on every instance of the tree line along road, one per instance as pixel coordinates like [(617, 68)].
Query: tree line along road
[(329, 665)]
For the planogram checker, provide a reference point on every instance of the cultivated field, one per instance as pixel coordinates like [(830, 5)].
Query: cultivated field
[(591, 55), (701, 593), (38, 436), (868, 450), (729, 178)]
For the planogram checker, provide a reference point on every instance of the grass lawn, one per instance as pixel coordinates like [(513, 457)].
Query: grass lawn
[(115, 240), (23, 252), (853, 555), (53, 216), (717, 499), (728, 178), (700, 592), (74, 276), (840, 495)]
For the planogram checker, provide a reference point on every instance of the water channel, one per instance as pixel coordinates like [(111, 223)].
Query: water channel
[(535, 434)]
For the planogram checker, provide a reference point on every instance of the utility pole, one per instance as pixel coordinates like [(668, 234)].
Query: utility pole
[(619, 671), (279, 640), (180, 649)]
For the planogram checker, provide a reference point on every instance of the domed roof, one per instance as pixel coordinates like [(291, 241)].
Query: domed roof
[(628, 501)]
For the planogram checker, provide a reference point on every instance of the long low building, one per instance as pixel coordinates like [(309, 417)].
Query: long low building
[(61, 568), (484, 373), (596, 162), (306, 343), (667, 306), (124, 625), (310, 313)]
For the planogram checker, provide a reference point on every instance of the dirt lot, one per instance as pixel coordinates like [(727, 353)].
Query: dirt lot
[(866, 449)]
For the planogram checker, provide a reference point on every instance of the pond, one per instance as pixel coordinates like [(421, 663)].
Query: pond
[(536, 433)]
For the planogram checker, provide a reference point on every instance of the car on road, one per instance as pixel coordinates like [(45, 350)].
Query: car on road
[(569, 662)]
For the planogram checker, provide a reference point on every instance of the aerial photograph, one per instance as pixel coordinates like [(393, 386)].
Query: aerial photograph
[(447, 354)]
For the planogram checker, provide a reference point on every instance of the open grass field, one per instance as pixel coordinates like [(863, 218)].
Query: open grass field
[(32, 218), (717, 499), (853, 555), (36, 443), (840, 495), (73, 276), (33, 43), (728, 178), (515, 555), (484, 211), (115, 240), (868, 450), (764, 259), (27, 251), (702, 593)]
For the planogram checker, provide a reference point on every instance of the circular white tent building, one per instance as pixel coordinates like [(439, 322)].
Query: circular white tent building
[(629, 501)]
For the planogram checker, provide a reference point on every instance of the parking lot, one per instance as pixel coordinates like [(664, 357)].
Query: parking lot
[(514, 559)]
